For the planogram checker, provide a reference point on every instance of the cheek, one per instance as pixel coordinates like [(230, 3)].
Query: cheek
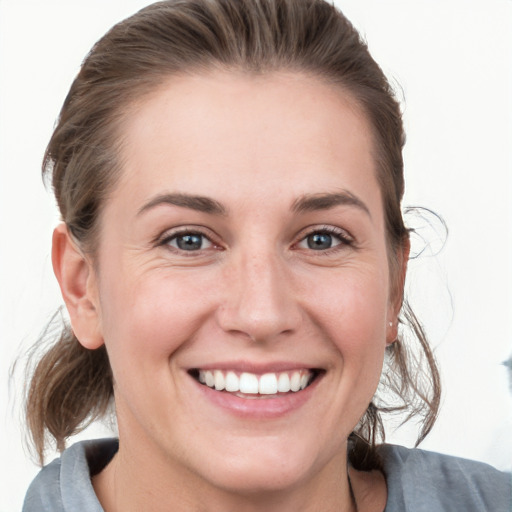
[(149, 318), (353, 306), (352, 310)]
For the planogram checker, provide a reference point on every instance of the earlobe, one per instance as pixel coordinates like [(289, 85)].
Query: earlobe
[(391, 332), (398, 292), (77, 281)]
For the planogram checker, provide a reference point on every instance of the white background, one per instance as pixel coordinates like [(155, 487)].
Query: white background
[(453, 60)]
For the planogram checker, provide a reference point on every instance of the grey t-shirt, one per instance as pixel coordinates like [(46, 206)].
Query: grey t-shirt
[(418, 481)]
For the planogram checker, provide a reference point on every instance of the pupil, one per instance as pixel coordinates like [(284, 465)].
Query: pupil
[(189, 242), (319, 241)]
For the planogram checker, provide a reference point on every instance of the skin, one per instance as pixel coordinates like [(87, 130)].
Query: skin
[(254, 293)]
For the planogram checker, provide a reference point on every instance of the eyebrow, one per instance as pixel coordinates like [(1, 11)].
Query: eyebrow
[(314, 202), (198, 203), (305, 203)]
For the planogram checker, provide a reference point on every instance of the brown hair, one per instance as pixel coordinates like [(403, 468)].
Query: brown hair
[(71, 385)]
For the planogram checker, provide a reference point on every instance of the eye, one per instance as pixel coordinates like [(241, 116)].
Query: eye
[(324, 239), (321, 241), (188, 241)]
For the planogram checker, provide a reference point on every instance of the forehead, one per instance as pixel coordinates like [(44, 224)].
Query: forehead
[(222, 133)]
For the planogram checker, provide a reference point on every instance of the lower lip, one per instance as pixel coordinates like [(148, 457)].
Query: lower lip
[(264, 408)]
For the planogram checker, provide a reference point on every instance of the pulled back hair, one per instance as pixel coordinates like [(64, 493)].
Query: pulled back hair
[(72, 386)]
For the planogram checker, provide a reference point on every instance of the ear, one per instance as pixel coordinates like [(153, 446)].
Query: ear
[(396, 300), (77, 281)]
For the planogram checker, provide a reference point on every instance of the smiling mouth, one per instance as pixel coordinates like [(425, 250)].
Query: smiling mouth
[(251, 385)]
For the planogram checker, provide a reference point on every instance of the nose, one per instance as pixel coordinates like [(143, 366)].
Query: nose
[(259, 301)]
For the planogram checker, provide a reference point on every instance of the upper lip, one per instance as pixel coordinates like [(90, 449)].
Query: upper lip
[(256, 368)]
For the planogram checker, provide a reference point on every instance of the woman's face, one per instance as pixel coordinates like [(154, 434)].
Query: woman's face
[(244, 246)]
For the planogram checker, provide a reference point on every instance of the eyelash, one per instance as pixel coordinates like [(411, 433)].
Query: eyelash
[(344, 239), (168, 237)]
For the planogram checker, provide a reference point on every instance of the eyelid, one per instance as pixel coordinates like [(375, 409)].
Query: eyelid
[(327, 228)]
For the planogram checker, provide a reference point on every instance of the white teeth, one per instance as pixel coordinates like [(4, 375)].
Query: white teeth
[(232, 382), (220, 382), (210, 380), (283, 383), (248, 383), (268, 384), (295, 381), (252, 384)]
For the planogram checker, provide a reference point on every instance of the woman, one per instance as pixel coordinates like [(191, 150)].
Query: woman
[(232, 257)]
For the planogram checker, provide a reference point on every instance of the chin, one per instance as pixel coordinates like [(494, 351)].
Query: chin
[(253, 478), (266, 467)]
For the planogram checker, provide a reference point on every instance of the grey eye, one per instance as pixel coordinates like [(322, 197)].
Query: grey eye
[(319, 241), (190, 242)]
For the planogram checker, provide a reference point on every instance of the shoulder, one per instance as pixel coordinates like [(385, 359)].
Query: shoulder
[(44, 491), (420, 480), (65, 484)]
